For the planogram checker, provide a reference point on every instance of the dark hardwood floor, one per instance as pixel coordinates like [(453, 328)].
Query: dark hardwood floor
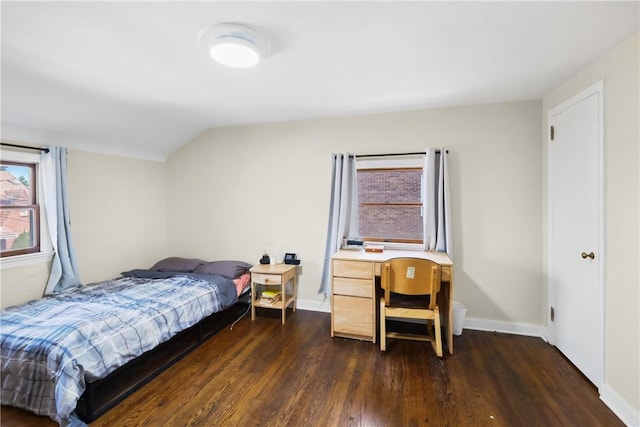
[(263, 373)]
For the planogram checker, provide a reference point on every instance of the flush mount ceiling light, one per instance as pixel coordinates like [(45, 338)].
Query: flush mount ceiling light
[(235, 45)]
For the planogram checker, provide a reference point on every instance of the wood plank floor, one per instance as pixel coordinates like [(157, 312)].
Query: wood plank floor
[(263, 373)]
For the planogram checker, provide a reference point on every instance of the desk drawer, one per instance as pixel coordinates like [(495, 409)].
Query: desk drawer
[(354, 269), (354, 287), (353, 316), (266, 279), (446, 274)]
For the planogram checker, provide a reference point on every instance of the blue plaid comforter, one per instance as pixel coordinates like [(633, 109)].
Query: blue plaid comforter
[(50, 347)]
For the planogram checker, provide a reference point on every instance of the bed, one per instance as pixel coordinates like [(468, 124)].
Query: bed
[(75, 355)]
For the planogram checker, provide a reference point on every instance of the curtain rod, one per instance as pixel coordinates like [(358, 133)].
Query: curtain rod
[(46, 150), (392, 154)]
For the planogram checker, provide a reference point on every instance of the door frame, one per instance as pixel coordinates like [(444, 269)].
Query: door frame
[(595, 89)]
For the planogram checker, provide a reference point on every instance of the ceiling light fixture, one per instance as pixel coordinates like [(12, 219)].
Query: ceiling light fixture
[(235, 45)]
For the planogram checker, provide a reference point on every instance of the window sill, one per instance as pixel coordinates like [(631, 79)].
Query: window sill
[(25, 260), (399, 246)]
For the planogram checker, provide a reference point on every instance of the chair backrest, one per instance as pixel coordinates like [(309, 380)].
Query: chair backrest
[(410, 276)]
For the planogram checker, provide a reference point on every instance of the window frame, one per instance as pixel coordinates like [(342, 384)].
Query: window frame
[(46, 252), (395, 162), (33, 205)]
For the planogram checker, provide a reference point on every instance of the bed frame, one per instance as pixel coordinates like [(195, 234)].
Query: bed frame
[(104, 394)]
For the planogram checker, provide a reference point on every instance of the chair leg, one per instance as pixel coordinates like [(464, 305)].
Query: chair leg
[(383, 327), (437, 343)]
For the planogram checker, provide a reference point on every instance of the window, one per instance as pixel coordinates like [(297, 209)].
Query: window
[(19, 209), (390, 200)]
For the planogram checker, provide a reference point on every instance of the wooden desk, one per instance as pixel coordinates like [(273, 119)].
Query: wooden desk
[(353, 296)]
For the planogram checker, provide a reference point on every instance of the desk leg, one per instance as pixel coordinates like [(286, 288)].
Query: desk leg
[(253, 300), (283, 291), (450, 326), (445, 297), (295, 289)]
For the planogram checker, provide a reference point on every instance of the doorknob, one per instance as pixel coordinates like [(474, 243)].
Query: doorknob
[(585, 255)]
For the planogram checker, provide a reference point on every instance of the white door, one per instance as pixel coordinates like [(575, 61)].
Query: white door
[(575, 204)]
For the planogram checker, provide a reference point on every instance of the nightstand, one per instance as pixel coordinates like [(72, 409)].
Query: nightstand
[(273, 277)]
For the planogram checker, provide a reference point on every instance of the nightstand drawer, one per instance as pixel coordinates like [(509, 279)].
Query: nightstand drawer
[(354, 269), (354, 287), (266, 279)]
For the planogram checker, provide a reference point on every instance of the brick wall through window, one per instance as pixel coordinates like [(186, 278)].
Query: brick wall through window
[(390, 204)]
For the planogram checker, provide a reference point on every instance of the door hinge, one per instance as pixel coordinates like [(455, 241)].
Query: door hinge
[(552, 132), (552, 314)]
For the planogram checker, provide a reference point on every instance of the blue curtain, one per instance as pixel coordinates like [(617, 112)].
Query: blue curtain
[(343, 212), (437, 219), (64, 270)]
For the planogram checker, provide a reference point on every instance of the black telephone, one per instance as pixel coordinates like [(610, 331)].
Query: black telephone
[(290, 258)]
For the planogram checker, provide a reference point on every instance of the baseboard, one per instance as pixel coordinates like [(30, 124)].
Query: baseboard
[(323, 306), (527, 329), (630, 416)]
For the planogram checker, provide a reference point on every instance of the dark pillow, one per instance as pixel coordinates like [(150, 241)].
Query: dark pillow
[(229, 269), (183, 265)]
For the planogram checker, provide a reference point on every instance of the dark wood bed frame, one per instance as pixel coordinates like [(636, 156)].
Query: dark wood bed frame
[(104, 394)]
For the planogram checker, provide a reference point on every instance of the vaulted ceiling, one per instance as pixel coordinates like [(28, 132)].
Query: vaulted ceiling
[(131, 78)]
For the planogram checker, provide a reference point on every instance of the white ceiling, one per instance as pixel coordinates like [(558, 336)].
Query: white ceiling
[(130, 78)]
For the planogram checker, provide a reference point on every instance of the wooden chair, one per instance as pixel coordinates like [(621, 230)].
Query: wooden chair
[(410, 287)]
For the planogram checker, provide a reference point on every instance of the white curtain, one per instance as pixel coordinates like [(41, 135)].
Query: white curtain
[(437, 218), (343, 212), (64, 271)]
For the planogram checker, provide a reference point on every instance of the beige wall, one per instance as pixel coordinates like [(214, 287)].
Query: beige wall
[(118, 222), (243, 190), (118, 213), (620, 72), (24, 283)]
